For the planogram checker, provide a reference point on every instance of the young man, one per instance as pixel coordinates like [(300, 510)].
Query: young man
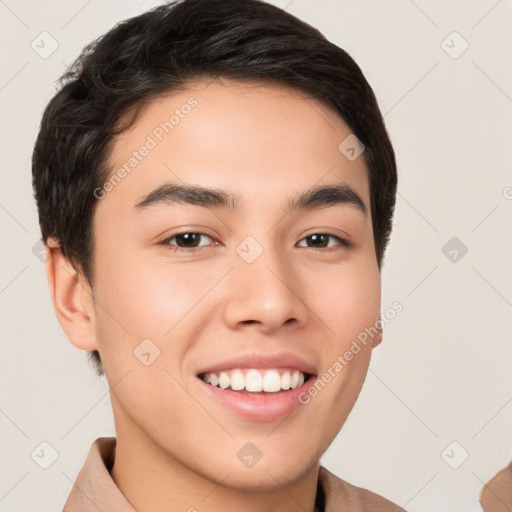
[(216, 187)]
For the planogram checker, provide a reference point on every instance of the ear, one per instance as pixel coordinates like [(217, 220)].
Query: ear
[(72, 298), (377, 339)]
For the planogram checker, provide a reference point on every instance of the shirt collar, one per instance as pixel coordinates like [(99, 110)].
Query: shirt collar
[(94, 488)]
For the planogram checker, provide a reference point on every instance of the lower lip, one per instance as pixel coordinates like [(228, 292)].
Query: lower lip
[(264, 407)]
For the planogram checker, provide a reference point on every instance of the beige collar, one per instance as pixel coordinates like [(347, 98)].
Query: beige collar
[(94, 488)]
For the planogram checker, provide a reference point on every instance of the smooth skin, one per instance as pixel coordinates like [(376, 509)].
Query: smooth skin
[(176, 447)]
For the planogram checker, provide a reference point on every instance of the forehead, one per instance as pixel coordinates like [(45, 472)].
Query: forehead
[(259, 139)]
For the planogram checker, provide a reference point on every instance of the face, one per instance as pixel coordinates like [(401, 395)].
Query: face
[(207, 285)]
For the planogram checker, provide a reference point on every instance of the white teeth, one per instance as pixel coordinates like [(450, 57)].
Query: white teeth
[(224, 381), (270, 381), (214, 380), (237, 380), (295, 379), (253, 381), (286, 380)]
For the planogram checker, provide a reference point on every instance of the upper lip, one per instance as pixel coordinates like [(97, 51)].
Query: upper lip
[(254, 360)]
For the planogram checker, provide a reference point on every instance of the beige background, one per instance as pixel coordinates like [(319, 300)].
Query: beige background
[(442, 374)]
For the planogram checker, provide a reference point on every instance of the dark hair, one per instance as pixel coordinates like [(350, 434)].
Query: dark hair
[(167, 49)]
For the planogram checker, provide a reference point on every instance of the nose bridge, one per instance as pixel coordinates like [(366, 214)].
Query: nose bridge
[(262, 286)]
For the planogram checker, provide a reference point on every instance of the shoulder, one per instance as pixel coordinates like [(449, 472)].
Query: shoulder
[(339, 492), (497, 493)]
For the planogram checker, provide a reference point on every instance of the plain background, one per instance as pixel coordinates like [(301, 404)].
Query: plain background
[(439, 387)]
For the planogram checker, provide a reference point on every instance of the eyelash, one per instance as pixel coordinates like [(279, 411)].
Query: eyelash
[(342, 241)]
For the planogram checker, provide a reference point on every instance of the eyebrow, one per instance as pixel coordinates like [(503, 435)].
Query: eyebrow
[(316, 197)]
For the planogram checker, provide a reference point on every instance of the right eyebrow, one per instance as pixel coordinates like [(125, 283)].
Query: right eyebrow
[(170, 193)]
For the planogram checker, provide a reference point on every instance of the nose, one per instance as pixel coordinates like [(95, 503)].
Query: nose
[(264, 294)]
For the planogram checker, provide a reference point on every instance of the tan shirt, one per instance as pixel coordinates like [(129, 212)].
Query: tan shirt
[(497, 494), (94, 488)]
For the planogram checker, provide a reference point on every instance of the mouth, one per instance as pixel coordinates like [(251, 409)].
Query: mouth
[(257, 394), (257, 381)]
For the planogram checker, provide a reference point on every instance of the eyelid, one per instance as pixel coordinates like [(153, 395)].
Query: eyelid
[(336, 232), (165, 241), (343, 242)]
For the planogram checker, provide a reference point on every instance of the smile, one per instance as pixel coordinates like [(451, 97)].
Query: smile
[(256, 380), (256, 394)]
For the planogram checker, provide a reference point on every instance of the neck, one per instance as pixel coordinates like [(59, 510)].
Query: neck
[(153, 481)]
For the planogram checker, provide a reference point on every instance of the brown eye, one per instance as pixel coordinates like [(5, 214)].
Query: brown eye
[(187, 241), (321, 241)]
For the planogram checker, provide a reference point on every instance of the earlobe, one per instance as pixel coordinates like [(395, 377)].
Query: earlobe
[(377, 339), (72, 298)]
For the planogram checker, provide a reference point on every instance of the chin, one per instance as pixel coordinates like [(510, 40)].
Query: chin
[(265, 479)]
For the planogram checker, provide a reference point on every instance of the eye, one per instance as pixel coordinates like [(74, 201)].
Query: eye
[(186, 241), (189, 241), (319, 240)]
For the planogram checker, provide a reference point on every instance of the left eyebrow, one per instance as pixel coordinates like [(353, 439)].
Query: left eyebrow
[(316, 197)]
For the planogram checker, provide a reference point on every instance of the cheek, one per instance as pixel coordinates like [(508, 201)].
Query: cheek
[(352, 307), (147, 298), (349, 302)]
